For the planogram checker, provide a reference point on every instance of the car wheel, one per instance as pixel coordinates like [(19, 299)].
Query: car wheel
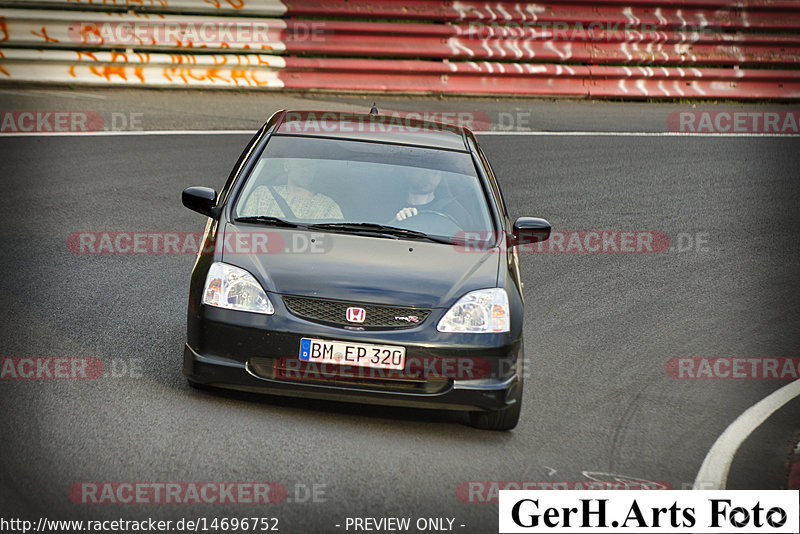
[(504, 419), (196, 385)]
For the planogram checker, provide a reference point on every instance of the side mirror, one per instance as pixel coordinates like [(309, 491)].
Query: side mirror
[(530, 230), (200, 199)]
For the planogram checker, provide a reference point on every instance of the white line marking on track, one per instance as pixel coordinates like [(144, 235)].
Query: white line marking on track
[(133, 133), (481, 133), (713, 473), (31, 92), (637, 134)]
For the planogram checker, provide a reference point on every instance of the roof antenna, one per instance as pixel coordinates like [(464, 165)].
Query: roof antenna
[(374, 110)]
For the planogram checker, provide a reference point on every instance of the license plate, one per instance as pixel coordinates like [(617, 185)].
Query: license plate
[(356, 354)]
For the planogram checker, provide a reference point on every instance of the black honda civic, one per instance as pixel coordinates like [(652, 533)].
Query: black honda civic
[(364, 258)]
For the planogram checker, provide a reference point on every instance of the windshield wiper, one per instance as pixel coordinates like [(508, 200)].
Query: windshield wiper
[(377, 229), (264, 219)]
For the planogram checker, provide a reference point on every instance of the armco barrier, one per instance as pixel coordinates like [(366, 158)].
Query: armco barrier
[(606, 49), (91, 30), (413, 76), (662, 14), (143, 69)]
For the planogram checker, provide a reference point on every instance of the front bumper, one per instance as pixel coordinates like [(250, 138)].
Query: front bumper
[(235, 350), (482, 394)]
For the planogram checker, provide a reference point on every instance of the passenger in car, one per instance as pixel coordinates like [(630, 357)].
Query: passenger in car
[(295, 200)]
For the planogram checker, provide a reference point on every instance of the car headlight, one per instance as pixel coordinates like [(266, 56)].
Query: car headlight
[(235, 289), (484, 310)]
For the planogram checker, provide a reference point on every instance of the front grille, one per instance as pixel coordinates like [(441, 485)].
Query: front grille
[(334, 312)]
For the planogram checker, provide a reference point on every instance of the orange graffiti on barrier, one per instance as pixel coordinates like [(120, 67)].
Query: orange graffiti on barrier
[(4, 71), (3, 29), (88, 30), (247, 76), (141, 41), (213, 76), (235, 4), (89, 54), (43, 35), (180, 59), (180, 73), (108, 71)]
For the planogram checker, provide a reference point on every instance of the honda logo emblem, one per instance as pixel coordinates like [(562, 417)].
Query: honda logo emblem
[(356, 315)]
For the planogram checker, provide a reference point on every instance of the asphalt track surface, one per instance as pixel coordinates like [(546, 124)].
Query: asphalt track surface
[(599, 330)]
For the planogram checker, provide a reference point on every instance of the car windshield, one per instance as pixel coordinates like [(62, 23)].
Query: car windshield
[(363, 187)]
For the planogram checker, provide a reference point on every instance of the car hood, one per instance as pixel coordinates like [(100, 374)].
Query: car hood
[(358, 268)]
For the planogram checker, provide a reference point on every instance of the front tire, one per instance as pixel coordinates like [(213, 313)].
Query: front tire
[(197, 385), (503, 419)]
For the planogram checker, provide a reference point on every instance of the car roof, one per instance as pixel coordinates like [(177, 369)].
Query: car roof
[(392, 128)]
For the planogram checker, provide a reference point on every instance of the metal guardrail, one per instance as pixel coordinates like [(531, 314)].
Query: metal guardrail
[(612, 48), (663, 14)]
